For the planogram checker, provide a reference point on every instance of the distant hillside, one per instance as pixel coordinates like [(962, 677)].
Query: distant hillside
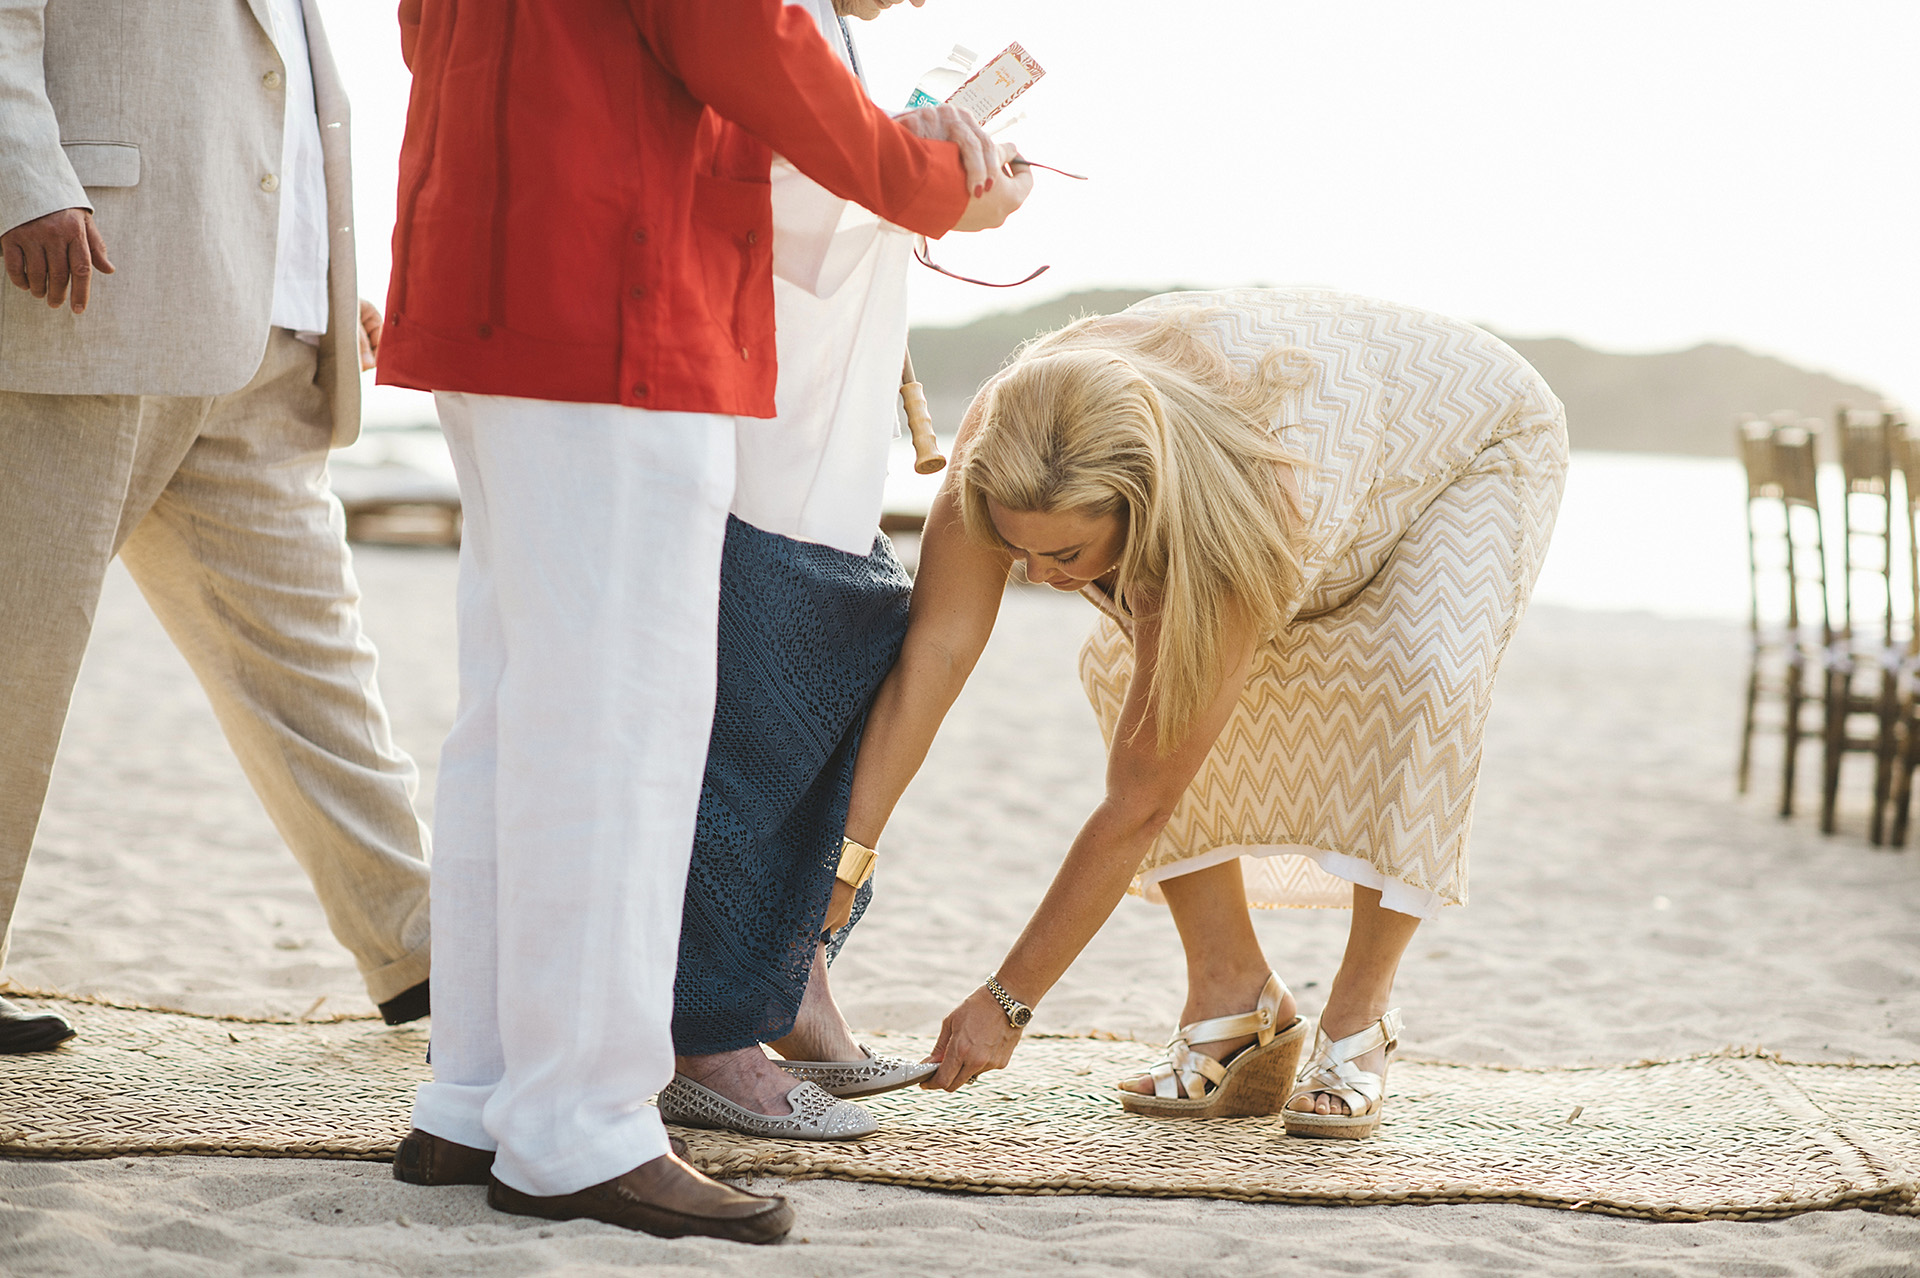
[(1678, 401), (1672, 402)]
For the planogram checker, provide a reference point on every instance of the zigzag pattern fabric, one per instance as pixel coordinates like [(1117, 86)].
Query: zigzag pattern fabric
[(1435, 458)]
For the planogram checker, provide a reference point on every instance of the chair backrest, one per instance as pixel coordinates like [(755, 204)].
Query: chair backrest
[(1868, 540), (1754, 439), (1866, 452), (1795, 466), (1903, 447), (1786, 550)]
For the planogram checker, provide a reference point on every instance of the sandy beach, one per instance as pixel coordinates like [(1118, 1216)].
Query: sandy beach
[(1626, 905)]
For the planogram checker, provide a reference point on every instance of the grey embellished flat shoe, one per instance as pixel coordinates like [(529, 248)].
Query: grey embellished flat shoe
[(815, 1116), (852, 1079)]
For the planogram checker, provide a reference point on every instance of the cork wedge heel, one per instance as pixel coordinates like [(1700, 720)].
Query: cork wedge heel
[(1254, 1082)]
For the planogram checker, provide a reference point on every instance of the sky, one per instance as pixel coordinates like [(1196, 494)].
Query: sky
[(1636, 176)]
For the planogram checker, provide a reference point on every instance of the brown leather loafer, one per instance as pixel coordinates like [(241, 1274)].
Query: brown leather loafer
[(665, 1198), (426, 1159)]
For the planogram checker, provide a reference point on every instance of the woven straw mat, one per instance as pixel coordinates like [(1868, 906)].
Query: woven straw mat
[(1728, 1136)]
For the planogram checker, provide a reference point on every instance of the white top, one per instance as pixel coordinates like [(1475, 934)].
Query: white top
[(817, 470), (300, 259)]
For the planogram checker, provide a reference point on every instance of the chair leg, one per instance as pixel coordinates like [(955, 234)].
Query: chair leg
[(1796, 695), (1902, 784), (1745, 768), (1882, 790), (1838, 691), (1889, 717)]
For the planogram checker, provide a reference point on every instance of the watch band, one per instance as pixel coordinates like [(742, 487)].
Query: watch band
[(1018, 1013), (856, 863)]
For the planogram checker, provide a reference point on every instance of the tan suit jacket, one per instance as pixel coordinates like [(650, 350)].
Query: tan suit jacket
[(165, 118)]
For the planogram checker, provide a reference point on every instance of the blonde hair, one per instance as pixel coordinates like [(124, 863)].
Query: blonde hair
[(1153, 423)]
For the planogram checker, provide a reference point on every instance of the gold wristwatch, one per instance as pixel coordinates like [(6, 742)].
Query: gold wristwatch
[(856, 863), (1018, 1013)]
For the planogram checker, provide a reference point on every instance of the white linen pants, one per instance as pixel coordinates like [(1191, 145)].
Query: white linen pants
[(588, 614), (219, 507)]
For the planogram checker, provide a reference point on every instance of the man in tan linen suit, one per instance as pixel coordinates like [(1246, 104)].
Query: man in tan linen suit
[(175, 172)]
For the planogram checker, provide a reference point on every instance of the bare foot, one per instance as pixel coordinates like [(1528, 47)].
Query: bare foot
[(1226, 997), (1375, 1062), (820, 1032), (745, 1077)]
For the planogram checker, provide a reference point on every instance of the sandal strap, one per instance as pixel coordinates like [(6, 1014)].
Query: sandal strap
[(1165, 1077), (1259, 1022), (1196, 1073), (1332, 1069)]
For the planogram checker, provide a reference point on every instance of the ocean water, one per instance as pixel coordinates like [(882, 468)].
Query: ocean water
[(1647, 533), (1637, 532), (1668, 535)]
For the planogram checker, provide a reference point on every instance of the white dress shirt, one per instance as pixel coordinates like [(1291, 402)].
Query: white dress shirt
[(300, 261), (817, 470)]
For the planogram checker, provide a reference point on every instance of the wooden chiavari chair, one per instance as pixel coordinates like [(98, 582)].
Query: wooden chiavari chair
[(1789, 619), (1865, 655), (1905, 443)]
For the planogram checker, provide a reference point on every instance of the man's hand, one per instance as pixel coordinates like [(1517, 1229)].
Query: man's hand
[(52, 254), (370, 325), (1006, 193)]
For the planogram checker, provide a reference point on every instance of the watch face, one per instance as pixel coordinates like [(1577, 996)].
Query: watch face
[(1020, 1016)]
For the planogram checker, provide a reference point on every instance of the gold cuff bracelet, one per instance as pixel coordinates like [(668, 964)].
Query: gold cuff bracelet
[(856, 863)]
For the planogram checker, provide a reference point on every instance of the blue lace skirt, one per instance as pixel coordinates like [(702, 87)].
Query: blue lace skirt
[(807, 633)]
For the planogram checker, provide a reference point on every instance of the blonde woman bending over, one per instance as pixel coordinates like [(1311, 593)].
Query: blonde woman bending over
[(1310, 522)]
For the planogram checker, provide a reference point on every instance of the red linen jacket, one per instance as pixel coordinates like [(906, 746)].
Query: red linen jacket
[(583, 201)]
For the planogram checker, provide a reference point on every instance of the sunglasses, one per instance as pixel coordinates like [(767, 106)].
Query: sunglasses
[(920, 241)]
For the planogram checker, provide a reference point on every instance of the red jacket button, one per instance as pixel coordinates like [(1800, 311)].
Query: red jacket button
[(639, 390)]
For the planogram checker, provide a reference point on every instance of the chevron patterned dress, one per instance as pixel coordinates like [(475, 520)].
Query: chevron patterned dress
[(1434, 462)]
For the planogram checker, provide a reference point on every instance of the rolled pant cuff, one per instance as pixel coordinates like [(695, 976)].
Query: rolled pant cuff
[(396, 978), (452, 1113), (639, 1138)]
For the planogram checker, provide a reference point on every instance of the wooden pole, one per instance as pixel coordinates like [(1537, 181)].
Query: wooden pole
[(926, 449)]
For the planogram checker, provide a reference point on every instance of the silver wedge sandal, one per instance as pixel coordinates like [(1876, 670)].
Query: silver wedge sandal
[(1332, 1071), (1254, 1081)]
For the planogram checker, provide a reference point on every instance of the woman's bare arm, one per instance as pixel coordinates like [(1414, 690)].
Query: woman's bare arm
[(1143, 787), (956, 597)]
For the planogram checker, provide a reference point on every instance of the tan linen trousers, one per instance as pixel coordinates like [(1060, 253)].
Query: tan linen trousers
[(219, 507)]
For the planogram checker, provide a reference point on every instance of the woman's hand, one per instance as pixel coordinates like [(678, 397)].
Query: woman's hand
[(979, 153), (840, 907), (1006, 192), (974, 1038)]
